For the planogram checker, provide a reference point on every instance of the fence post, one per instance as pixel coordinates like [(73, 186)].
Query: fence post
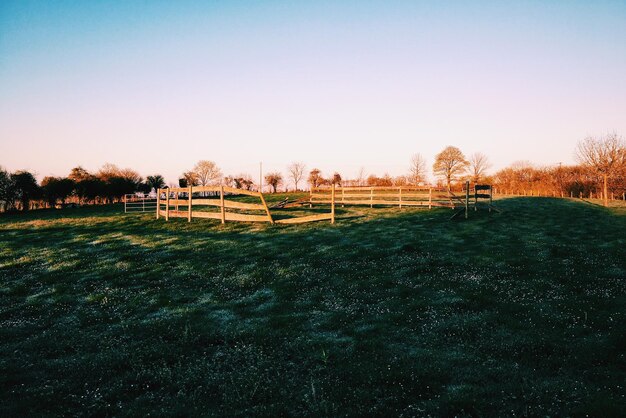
[(467, 194), (342, 197), (222, 204), (189, 194), (311, 197), (400, 197), (167, 205), (125, 201), (267, 210), (430, 198), (475, 197), (158, 202), (332, 205)]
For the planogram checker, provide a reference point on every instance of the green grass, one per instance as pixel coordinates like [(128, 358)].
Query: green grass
[(386, 313)]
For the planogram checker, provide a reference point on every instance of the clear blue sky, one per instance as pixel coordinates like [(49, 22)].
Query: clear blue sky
[(158, 86)]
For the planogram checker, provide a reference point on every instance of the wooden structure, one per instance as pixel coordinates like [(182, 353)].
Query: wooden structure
[(481, 191), (484, 191), (139, 203), (400, 196), (179, 202)]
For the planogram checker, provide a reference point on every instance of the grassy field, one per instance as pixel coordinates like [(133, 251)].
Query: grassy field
[(386, 313)]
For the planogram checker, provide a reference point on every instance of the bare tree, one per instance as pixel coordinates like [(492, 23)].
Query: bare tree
[(190, 179), (274, 179), (449, 164), (79, 173), (478, 165), (336, 180), (296, 172), (230, 181), (315, 177), (400, 181), (207, 173), (108, 171), (244, 181), (605, 156), (361, 177), (417, 169), (130, 175)]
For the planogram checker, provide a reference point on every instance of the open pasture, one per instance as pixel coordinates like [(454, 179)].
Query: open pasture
[(387, 312)]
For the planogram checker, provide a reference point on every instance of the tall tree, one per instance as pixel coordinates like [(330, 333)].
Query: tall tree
[(360, 178), (207, 173), (244, 181), (449, 164), (7, 190), (118, 182), (315, 177), (417, 169), (108, 171), (336, 180), (90, 188), (240, 181), (131, 175), (155, 182), (606, 156), (79, 173), (478, 165), (296, 172), (189, 178), (56, 188), (274, 180), (26, 188), (400, 181)]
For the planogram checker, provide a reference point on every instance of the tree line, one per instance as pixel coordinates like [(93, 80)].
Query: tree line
[(20, 191), (601, 171)]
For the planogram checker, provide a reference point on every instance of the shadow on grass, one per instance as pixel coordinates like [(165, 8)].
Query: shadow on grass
[(389, 311)]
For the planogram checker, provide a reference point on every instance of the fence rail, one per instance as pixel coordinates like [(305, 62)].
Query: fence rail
[(543, 193), (383, 196), (170, 201), (139, 204)]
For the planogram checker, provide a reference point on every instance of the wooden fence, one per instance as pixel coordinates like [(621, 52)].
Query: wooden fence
[(134, 203), (179, 203), (387, 196), (542, 193)]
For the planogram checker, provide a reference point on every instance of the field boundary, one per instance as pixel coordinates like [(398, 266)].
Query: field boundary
[(134, 203), (183, 197), (176, 197), (413, 196)]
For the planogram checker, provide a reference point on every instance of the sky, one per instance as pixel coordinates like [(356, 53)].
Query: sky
[(157, 86)]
